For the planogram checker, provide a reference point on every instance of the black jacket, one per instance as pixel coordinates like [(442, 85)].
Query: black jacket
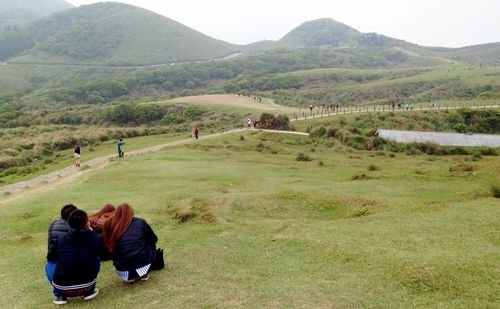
[(57, 228), (136, 247), (78, 252)]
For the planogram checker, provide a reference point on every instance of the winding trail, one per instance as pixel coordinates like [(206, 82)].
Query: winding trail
[(67, 174), (71, 171)]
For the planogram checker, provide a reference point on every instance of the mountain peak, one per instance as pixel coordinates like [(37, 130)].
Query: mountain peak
[(322, 32)]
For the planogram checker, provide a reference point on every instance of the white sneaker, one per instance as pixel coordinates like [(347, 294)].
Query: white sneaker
[(96, 291)]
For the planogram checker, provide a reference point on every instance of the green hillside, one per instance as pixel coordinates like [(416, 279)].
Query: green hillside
[(329, 32), (113, 33), (322, 32), (484, 54), (17, 11)]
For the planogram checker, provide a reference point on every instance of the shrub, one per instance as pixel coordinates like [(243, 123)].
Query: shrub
[(495, 190), (303, 157), (373, 167), (462, 167), (460, 127), (269, 121), (318, 132), (488, 151)]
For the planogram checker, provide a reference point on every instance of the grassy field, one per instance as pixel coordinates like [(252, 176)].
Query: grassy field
[(62, 159), (449, 85), (231, 103), (243, 223)]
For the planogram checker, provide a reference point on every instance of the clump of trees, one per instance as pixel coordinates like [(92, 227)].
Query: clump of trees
[(274, 122)]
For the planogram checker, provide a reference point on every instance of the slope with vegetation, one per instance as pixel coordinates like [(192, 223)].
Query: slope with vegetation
[(359, 131), (272, 231), (20, 11), (114, 34)]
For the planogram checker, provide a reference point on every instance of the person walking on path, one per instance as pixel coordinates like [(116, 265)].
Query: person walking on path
[(119, 144), (249, 124), (77, 155), (196, 132)]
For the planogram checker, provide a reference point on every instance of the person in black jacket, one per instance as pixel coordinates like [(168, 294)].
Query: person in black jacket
[(78, 260), (56, 229), (132, 244)]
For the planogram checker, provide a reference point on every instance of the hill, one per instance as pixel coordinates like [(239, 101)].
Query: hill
[(15, 11), (483, 54), (328, 33), (331, 33), (114, 34)]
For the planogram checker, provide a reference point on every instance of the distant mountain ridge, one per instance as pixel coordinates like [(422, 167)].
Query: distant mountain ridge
[(113, 33), (116, 34), (21, 11)]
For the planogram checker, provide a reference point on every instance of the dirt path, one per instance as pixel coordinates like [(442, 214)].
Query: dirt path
[(51, 180), (65, 175)]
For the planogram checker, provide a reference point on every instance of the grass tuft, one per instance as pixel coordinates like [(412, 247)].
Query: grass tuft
[(495, 190), (303, 157), (373, 167)]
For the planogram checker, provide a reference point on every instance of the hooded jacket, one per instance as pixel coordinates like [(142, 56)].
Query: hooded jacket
[(78, 252), (57, 228)]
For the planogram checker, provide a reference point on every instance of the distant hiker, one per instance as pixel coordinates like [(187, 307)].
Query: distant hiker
[(311, 108), (132, 244), (249, 124), (119, 144), (56, 229), (78, 260), (97, 220), (196, 132), (77, 155), (192, 132)]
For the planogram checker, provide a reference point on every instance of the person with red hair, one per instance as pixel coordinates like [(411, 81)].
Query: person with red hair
[(132, 244), (97, 220)]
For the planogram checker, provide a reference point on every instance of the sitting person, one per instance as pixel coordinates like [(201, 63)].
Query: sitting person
[(78, 260), (57, 228), (132, 244), (97, 220)]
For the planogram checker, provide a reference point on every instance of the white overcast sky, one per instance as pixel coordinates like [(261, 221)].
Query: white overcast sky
[(448, 23)]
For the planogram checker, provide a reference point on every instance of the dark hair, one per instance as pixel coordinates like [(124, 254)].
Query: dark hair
[(67, 210), (78, 219)]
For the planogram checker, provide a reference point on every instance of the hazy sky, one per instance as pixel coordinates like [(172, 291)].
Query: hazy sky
[(450, 23)]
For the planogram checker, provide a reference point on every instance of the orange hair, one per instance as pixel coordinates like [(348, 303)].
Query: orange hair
[(96, 220), (117, 225)]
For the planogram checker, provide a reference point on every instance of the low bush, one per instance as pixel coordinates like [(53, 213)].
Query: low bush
[(495, 190), (303, 157)]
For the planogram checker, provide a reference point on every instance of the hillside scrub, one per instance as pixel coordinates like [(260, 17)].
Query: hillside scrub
[(274, 122), (359, 132)]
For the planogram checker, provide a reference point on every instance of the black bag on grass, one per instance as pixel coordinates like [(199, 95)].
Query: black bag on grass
[(158, 262)]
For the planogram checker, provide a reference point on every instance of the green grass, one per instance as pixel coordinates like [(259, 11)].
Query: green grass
[(65, 158), (265, 230)]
